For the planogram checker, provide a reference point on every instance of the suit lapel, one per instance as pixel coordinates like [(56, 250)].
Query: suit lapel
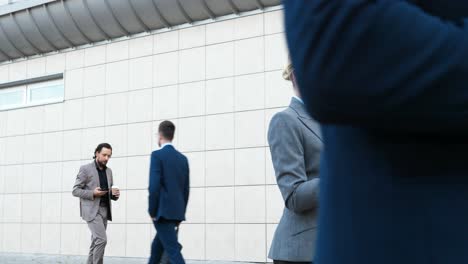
[(305, 118), (96, 176), (108, 175), (109, 193), (312, 126), (95, 173)]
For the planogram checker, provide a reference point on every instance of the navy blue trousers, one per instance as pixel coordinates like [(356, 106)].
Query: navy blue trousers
[(166, 241)]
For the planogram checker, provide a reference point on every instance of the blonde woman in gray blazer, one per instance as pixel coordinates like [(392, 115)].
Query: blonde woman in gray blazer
[(295, 145)]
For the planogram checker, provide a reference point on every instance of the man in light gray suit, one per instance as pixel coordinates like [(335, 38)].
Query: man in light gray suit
[(92, 186), (295, 146)]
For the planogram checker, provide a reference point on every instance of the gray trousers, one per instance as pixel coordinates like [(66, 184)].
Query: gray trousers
[(99, 237)]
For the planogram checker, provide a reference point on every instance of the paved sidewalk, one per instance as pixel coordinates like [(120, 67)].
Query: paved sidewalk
[(9, 258)]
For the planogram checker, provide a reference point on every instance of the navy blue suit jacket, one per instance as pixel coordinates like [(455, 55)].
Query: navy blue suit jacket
[(388, 79), (168, 184)]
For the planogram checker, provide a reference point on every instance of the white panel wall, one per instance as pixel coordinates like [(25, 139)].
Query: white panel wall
[(220, 83)]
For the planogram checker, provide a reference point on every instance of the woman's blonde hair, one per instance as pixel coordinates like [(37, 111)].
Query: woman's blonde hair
[(288, 71)]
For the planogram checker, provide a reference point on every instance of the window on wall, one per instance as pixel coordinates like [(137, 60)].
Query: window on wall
[(13, 97), (45, 92), (6, 2), (30, 93)]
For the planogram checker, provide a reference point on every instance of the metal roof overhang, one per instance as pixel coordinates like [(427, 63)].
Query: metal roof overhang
[(36, 27)]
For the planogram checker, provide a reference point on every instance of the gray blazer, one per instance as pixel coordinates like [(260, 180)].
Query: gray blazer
[(295, 145), (86, 181)]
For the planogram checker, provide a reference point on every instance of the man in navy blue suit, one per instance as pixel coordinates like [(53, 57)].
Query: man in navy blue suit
[(388, 80), (168, 195)]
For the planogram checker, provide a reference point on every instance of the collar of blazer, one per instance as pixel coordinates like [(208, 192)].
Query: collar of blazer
[(305, 118), (95, 173)]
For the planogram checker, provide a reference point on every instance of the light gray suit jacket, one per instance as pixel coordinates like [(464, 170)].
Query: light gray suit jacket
[(86, 181), (295, 145)]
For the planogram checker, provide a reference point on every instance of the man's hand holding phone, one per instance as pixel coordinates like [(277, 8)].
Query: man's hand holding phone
[(98, 192)]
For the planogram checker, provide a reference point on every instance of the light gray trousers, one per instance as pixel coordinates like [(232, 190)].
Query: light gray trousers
[(99, 237)]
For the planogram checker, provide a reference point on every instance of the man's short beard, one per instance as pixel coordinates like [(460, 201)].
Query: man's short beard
[(100, 163)]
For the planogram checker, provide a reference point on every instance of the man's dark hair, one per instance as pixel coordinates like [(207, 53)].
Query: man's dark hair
[(167, 130), (100, 147)]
